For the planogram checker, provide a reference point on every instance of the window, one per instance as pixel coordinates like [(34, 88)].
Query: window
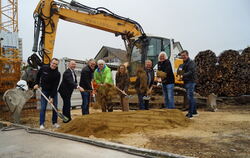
[(136, 57), (154, 48), (166, 47)]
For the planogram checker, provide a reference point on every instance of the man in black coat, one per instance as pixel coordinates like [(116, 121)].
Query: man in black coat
[(85, 82), (143, 83), (48, 78), (189, 77), (69, 83), (150, 80)]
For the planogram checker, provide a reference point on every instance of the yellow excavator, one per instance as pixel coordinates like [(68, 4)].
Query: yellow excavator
[(139, 46)]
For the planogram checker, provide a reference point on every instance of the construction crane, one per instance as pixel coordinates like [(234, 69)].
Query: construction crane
[(10, 59), (9, 15)]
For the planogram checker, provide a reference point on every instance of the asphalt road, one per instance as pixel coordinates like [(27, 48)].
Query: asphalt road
[(20, 144)]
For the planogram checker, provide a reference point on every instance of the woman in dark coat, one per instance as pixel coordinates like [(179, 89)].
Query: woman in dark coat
[(122, 82), (164, 66)]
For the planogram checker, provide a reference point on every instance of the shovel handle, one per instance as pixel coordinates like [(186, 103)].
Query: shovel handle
[(121, 91), (64, 118)]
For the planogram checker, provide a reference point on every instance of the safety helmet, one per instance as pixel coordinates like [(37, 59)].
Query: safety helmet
[(22, 84)]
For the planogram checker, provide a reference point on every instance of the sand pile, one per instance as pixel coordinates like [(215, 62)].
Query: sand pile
[(105, 94), (111, 125)]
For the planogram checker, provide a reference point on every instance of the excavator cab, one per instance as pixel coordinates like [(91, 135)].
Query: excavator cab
[(147, 48)]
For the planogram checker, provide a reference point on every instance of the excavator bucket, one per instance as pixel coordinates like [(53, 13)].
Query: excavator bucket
[(15, 99)]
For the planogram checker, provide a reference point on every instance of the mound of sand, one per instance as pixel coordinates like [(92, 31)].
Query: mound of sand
[(112, 125)]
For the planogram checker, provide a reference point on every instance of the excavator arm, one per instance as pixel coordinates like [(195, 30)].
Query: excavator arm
[(48, 13)]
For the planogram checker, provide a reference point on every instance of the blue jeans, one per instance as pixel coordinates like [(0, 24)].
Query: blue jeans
[(168, 92), (85, 102), (141, 101), (43, 108), (190, 96)]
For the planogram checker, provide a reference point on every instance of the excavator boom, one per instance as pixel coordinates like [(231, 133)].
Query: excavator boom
[(48, 13)]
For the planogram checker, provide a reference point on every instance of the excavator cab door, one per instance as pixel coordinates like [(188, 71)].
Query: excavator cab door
[(137, 56)]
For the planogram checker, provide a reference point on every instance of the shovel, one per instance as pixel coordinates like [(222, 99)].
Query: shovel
[(124, 93), (147, 97), (64, 118)]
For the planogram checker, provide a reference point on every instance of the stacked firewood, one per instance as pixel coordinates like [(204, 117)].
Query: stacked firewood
[(229, 70), (245, 68), (227, 75), (205, 67)]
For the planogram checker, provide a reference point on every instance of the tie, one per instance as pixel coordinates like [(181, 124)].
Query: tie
[(73, 74)]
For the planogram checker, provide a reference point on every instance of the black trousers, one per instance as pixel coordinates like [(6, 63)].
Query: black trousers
[(66, 106)]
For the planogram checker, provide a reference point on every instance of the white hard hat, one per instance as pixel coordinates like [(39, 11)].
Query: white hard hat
[(22, 84)]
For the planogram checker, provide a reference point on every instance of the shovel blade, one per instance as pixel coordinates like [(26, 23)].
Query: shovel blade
[(64, 118)]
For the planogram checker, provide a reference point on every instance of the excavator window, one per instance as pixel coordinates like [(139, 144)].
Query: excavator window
[(166, 47), (136, 57), (151, 49), (154, 48)]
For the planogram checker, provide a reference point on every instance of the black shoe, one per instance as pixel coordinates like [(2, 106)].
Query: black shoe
[(189, 116), (195, 114), (67, 120), (110, 110)]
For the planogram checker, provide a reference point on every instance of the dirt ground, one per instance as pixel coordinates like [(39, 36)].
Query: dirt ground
[(225, 133), (113, 125)]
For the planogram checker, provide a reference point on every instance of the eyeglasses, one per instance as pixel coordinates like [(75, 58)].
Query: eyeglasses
[(54, 63)]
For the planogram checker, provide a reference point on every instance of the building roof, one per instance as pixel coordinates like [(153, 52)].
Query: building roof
[(119, 53), (178, 45)]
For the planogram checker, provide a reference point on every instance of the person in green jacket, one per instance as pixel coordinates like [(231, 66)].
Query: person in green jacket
[(104, 81), (103, 73)]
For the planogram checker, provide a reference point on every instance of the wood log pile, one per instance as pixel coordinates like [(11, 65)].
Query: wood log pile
[(205, 68), (245, 68), (227, 75), (229, 67)]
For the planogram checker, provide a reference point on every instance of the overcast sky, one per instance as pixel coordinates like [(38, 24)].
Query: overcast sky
[(198, 25)]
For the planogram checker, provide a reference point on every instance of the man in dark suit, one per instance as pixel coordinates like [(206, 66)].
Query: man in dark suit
[(69, 83)]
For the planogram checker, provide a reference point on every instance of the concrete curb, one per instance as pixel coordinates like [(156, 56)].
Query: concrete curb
[(110, 145)]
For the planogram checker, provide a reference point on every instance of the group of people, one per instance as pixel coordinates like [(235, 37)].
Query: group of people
[(48, 78), (168, 81)]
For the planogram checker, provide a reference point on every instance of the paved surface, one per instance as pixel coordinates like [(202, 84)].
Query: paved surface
[(19, 143)]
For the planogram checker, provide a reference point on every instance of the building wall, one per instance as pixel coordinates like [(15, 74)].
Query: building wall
[(10, 44)]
